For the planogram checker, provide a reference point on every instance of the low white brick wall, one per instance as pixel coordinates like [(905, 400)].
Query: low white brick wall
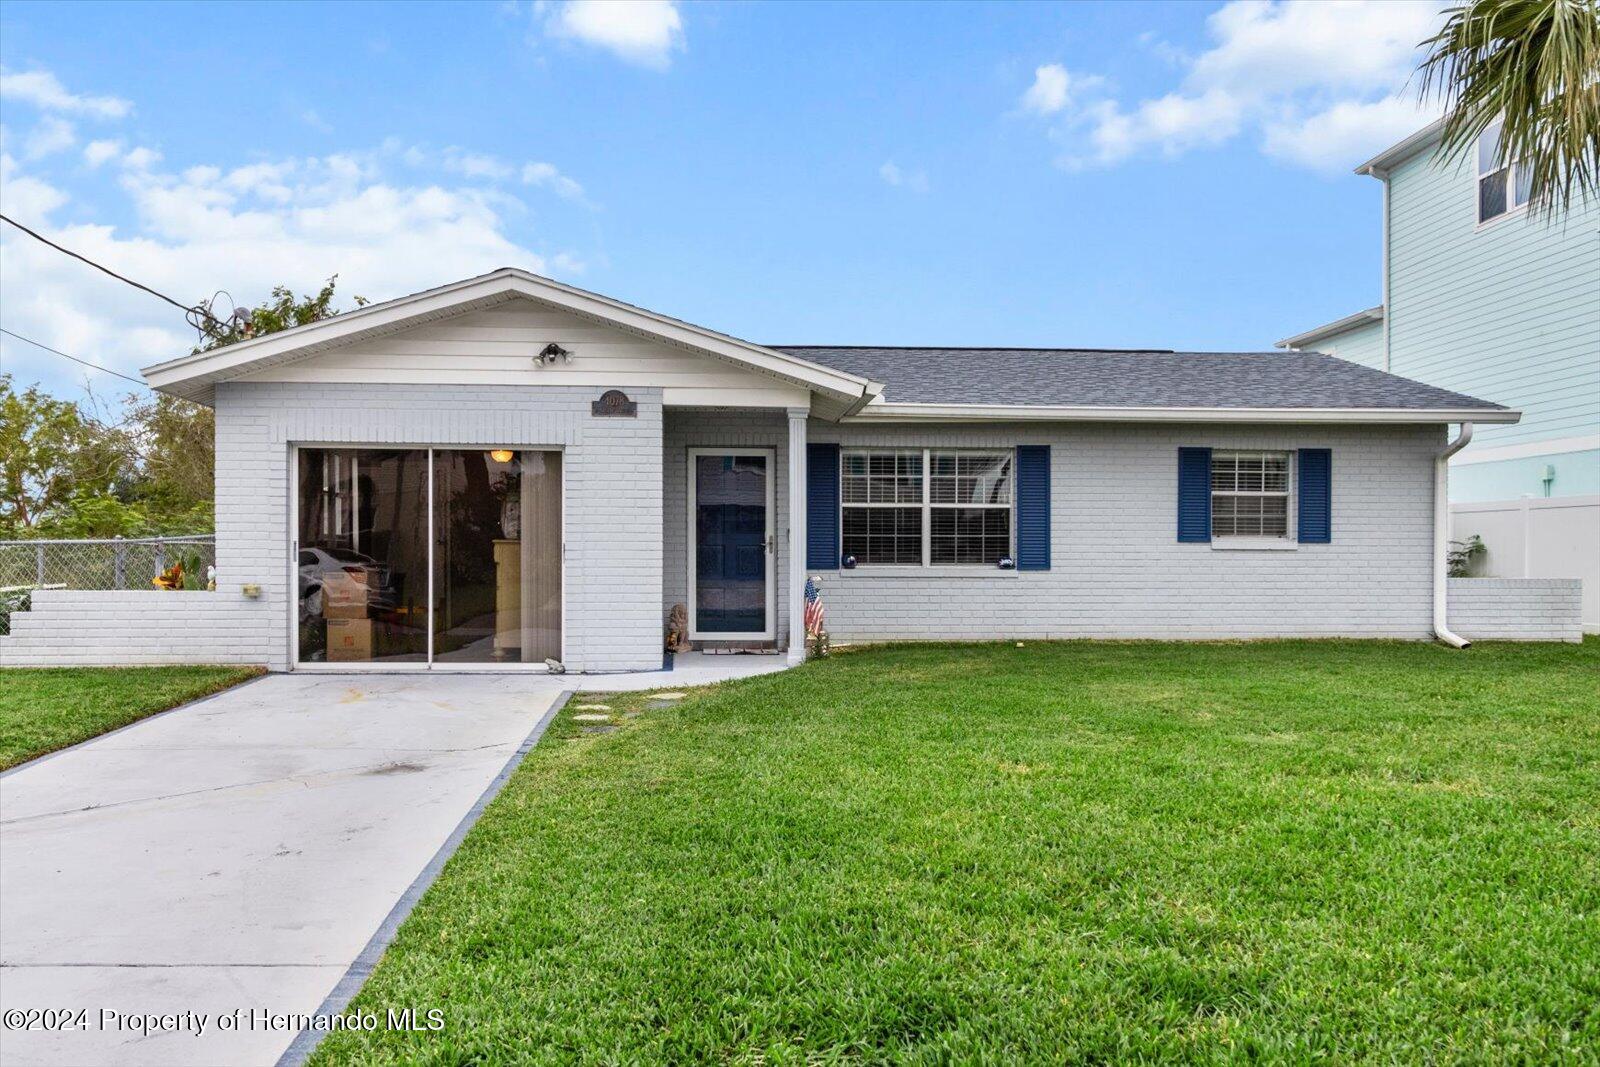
[(79, 627), (1517, 609)]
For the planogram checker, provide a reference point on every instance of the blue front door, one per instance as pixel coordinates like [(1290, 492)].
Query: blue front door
[(731, 544)]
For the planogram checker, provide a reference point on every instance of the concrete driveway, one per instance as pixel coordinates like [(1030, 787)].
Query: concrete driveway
[(237, 853)]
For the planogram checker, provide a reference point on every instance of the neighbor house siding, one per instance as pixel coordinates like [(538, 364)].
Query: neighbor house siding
[(1508, 310), (1118, 570), (1361, 344)]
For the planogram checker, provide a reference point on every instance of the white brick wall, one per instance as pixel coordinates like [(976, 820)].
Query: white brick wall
[(1517, 609), (1117, 569), (613, 515), (81, 628)]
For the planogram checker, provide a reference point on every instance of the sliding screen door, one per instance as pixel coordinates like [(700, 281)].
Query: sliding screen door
[(497, 556), (365, 562), (363, 555)]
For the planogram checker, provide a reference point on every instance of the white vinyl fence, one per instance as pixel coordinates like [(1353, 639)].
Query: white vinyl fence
[(1552, 537), (115, 563)]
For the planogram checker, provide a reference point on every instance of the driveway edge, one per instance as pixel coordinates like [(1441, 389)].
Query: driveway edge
[(345, 990), (152, 717)]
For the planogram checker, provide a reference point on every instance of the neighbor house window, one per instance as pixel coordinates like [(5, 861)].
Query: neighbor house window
[(1499, 190), (926, 506), (1250, 494)]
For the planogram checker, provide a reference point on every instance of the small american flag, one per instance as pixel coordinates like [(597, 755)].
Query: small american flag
[(813, 609)]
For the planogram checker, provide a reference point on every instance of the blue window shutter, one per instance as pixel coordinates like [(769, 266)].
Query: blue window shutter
[(822, 506), (1033, 507), (1316, 496), (1194, 494)]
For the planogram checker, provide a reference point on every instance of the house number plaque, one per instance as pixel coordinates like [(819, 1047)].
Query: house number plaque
[(614, 404)]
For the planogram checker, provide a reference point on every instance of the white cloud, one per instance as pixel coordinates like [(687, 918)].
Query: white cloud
[(96, 153), (1322, 83), (1348, 131), (243, 229), (26, 197), (52, 135), (1172, 124), (42, 89), (1054, 87), (914, 180), (549, 177), (476, 165), (141, 158), (313, 118), (1340, 44), (645, 32)]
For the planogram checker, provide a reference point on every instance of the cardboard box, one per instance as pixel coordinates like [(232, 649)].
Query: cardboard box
[(337, 609), (349, 640), (345, 587)]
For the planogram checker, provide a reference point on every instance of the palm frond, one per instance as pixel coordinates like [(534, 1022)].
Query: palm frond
[(1534, 66)]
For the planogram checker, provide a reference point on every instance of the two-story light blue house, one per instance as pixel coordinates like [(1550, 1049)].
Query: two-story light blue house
[(1484, 297)]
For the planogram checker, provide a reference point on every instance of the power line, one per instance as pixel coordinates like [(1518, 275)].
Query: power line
[(75, 359), (185, 308)]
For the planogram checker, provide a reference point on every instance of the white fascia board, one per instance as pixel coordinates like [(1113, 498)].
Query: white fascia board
[(890, 412), (508, 281), (1380, 165), (1329, 329)]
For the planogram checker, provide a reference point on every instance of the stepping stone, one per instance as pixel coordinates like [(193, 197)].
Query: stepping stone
[(592, 707), (668, 696), (598, 729), (591, 718)]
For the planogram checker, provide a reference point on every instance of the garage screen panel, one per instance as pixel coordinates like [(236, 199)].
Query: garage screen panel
[(362, 556), (497, 556)]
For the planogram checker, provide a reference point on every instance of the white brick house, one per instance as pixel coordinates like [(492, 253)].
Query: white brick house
[(507, 471)]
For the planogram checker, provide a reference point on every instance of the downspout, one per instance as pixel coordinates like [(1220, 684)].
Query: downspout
[(1383, 177), (1388, 312), (1441, 539)]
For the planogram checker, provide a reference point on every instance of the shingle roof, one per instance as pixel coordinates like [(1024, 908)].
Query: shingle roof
[(1068, 377)]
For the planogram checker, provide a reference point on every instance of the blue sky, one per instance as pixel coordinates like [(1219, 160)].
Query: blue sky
[(1120, 175)]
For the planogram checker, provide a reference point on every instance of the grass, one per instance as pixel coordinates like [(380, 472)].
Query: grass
[(1059, 852), (45, 709)]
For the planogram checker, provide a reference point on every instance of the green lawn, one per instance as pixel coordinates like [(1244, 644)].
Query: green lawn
[(1286, 851), (44, 709)]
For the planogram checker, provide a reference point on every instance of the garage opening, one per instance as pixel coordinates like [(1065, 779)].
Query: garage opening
[(428, 558)]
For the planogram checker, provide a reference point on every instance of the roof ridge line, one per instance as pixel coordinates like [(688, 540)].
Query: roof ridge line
[(999, 348)]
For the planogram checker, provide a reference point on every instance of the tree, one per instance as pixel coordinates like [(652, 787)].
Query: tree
[(176, 439), (175, 443), (282, 312), (68, 471), (1533, 66), (50, 454)]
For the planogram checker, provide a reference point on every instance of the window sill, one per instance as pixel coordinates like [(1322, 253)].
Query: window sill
[(1520, 211), (971, 571), (1253, 544)]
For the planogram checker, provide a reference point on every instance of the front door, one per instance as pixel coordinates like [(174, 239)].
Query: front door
[(732, 553)]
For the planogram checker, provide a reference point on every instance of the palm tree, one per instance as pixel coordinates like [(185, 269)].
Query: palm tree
[(1533, 66)]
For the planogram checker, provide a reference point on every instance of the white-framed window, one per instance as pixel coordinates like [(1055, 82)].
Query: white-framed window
[(1250, 494), (1501, 190), (926, 507)]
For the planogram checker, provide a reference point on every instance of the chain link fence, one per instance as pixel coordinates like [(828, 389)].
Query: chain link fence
[(118, 563)]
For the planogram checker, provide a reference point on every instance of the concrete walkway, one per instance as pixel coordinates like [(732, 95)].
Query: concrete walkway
[(237, 853)]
